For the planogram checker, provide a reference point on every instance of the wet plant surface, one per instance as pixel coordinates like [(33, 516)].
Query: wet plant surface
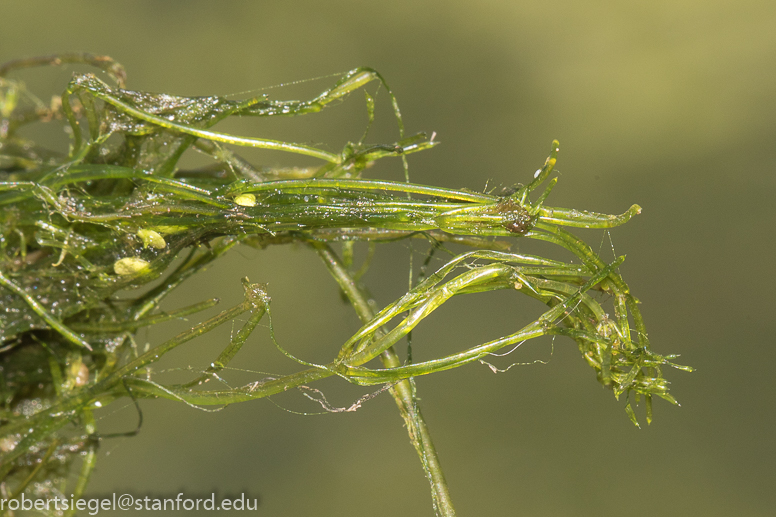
[(118, 213)]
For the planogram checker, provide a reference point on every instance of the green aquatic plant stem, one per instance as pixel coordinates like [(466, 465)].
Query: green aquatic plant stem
[(156, 353), (563, 300), (71, 223), (253, 391), (35, 470), (89, 461), (194, 262), (98, 89), (132, 325), (47, 422), (316, 185), (533, 330), (311, 205), (41, 311), (402, 391)]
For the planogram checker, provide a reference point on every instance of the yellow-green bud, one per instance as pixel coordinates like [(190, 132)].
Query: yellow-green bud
[(245, 200), (129, 265), (151, 238)]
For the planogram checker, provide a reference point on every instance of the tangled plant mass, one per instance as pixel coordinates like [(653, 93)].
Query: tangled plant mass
[(117, 212)]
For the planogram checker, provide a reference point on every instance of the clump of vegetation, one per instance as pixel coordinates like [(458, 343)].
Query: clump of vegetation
[(117, 212)]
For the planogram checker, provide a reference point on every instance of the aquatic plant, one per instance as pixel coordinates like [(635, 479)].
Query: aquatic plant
[(117, 212)]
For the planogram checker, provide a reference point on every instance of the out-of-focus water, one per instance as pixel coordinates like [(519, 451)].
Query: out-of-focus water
[(667, 104)]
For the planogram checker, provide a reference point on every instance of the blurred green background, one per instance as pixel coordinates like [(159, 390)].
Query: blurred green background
[(663, 103)]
